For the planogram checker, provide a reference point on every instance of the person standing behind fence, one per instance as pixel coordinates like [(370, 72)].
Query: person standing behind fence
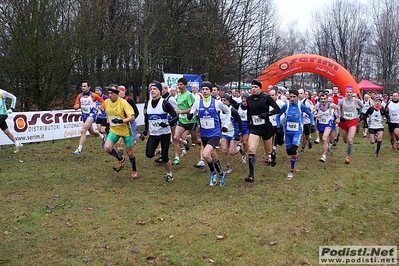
[(4, 115), (86, 101)]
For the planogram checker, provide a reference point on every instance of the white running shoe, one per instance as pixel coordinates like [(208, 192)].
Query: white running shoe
[(18, 147), (323, 158), (290, 176), (243, 159)]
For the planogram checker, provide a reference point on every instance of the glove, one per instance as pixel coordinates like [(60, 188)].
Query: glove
[(107, 128), (264, 115), (312, 129), (279, 131), (145, 132), (163, 124), (224, 129), (342, 119), (9, 111), (190, 116), (117, 121), (238, 137)]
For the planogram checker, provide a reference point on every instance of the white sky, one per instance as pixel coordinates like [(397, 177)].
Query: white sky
[(300, 10)]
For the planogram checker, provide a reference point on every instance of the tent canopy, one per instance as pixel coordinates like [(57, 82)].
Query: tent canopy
[(368, 86)]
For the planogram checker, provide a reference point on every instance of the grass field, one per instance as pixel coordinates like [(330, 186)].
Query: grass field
[(61, 209)]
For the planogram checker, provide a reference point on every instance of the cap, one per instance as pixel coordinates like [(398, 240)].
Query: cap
[(98, 88), (207, 84), (257, 82), (122, 88)]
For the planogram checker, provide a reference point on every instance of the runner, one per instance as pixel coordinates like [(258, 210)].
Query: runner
[(393, 122), (348, 121), (86, 101), (293, 126)]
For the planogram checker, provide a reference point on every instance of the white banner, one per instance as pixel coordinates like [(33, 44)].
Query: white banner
[(48, 125)]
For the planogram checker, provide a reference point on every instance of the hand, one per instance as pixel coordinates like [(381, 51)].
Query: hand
[(9, 111), (264, 115), (341, 119), (190, 116), (117, 121), (279, 130), (163, 124), (238, 137), (107, 128), (145, 132), (224, 129), (312, 129)]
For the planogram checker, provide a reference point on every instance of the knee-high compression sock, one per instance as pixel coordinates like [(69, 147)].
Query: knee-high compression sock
[(379, 143), (293, 162), (349, 150), (251, 164), (211, 166), (217, 166), (116, 155), (133, 163)]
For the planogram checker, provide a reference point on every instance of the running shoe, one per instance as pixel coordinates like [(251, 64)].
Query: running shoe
[(168, 179), (119, 164), (364, 135), (134, 175), (310, 144), (20, 146), (397, 146), (76, 152), (323, 158), (200, 164), (103, 141), (221, 179), (317, 141), (159, 160), (377, 155), (243, 159), (186, 145), (329, 150), (176, 161), (347, 160), (241, 149), (183, 152), (393, 148), (229, 169), (249, 179), (290, 176), (268, 160), (212, 180)]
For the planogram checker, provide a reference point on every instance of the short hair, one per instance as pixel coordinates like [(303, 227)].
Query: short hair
[(293, 91), (85, 81), (182, 80)]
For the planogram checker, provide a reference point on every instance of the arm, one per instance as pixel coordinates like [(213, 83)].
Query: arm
[(272, 103), (134, 106), (308, 112), (76, 105), (167, 107), (226, 110), (98, 98), (282, 111), (236, 116), (8, 95)]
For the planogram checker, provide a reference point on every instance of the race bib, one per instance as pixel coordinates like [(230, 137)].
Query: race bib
[(243, 117), (154, 124), (348, 116), (394, 114), (113, 124), (85, 109), (293, 126), (207, 123), (183, 116), (323, 120), (256, 120)]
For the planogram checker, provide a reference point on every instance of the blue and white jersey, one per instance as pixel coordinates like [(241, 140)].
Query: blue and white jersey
[(294, 116), (156, 116), (209, 119)]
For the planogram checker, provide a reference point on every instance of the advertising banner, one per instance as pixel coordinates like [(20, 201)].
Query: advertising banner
[(171, 79)]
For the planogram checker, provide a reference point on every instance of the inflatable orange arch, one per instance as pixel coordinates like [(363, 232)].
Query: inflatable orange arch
[(317, 64)]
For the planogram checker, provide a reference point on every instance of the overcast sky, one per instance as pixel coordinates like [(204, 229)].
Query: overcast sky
[(300, 10)]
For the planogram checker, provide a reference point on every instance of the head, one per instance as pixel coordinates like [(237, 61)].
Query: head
[(273, 93), (194, 88), (98, 90), (244, 97), (165, 88), (395, 96), (366, 97), (330, 100), (225, 98), (335, 90), (215, 91), (173, 91), (85, 86), (182, 84), (256, 86), (293, 96), (301, 94), (378, 101), (155, 90), (206, 89), (122, 91), (349, 91), (113, 92), (324, 98)]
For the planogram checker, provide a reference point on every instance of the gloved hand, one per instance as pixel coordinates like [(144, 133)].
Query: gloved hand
[(107, 128), (117, 121), (342, 119), (312, 129), (238, 137), (264, 115), (190, 116), (163, 124), (145, 132), (279, 130), (224, 129)]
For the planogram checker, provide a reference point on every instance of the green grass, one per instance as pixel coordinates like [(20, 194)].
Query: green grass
[(57, 208)]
